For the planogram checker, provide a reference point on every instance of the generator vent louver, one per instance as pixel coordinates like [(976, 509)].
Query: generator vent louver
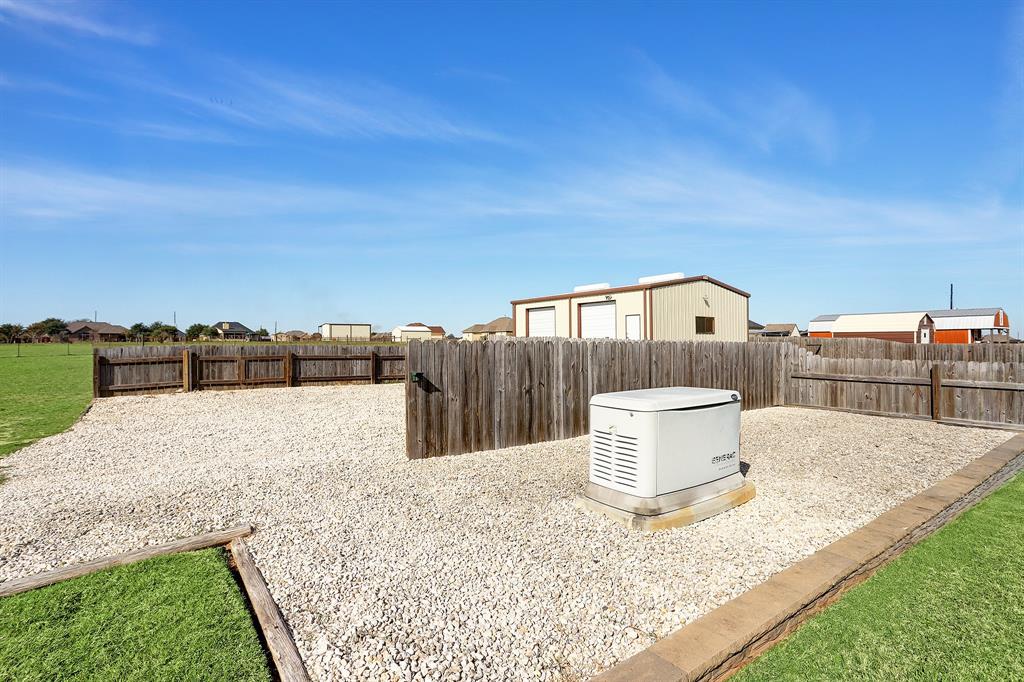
[(614, 457)]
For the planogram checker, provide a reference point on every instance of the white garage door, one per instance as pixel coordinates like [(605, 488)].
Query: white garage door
[(540, 322), (597, 320)]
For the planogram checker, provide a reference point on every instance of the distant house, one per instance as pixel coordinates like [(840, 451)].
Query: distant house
[(175, 335), (233, 331), (754, 326), (408, 332), (781, 329), (416, 330), (345, 331), (501, 326), (436, 330), (998, 338), (291, 337), (97, 331)]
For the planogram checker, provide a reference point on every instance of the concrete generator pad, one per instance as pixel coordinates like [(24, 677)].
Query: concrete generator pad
[(683, 516)]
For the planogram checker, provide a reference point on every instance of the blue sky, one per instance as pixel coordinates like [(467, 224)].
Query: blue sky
[(298, 163)]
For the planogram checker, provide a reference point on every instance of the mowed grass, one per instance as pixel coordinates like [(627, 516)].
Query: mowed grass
[(42, 392), (177, 617), (951, 608)]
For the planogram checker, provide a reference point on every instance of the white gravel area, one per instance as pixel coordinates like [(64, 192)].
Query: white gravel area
[(478, 566)]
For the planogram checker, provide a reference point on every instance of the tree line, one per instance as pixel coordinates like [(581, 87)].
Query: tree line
[(54, 328)]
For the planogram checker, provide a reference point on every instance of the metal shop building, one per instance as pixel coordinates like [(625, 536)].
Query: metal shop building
[(662, 308), (345, 331)]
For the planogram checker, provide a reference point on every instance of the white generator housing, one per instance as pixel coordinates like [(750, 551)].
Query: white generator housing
[(659, 450)]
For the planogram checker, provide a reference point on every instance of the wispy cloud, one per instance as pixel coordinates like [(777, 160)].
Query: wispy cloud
[(272, 99), (68, 194), (174, 132), (37, 85), (768, 114), (75, 17), (664, 201), (475, 74)]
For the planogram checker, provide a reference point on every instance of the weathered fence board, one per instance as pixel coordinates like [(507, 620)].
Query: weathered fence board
[(135, 369), (505, 392)]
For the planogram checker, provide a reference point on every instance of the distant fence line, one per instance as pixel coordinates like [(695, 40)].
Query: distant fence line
[(506, 392), (894, 350), (124, 370)]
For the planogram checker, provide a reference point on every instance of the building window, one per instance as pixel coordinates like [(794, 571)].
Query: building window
[(705, 325)]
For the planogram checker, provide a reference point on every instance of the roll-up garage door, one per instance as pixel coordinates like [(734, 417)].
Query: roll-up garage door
[(540, 322), (597, 320)]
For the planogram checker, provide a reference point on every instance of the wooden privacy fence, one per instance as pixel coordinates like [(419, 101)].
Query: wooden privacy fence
[(988, 393), (463, 397), (134, 369)]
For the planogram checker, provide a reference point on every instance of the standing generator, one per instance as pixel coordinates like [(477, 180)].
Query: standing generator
[(665, 457)]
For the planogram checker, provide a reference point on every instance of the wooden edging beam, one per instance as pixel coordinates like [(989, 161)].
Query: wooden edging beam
[(716, 645), (219, 537), (275, 631)]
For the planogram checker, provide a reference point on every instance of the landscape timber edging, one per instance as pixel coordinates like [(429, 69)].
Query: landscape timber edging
[(37, 580), (274, 631), (718, 644)]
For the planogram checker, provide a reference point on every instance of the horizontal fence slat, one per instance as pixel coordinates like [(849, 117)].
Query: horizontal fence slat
[(916, 381)]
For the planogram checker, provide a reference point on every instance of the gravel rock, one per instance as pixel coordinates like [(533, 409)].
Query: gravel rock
[(472, 567)]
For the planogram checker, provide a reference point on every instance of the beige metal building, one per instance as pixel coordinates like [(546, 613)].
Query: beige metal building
[(345, 331), (661, 308)]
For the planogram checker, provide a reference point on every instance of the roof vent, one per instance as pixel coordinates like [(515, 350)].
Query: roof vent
[(661, 278), (591, 287)]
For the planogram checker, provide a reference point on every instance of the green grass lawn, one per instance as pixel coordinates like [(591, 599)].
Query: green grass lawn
[(42, 392), (950, 608), (177, 617)]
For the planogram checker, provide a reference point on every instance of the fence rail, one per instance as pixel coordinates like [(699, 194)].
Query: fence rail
[(134, 369)]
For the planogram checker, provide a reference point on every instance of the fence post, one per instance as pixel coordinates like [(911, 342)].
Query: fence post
[(241, 369), (186, 370), (373, 366), (936, 392), (95, 372), (289, 369)]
